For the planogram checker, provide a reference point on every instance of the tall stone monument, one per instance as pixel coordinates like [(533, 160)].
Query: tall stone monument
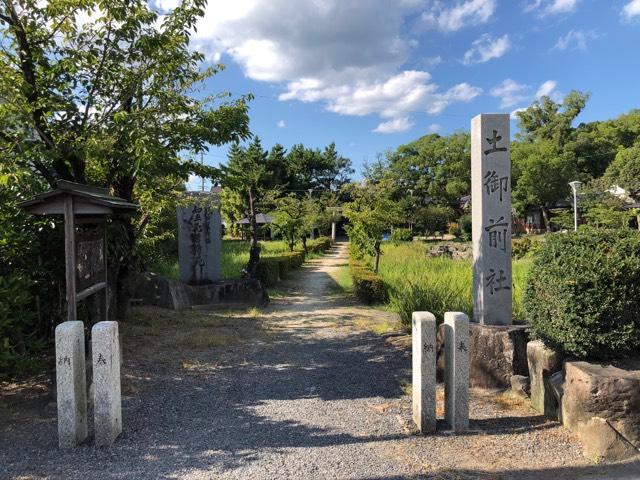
[(491, 216), (199, 243), (71, 384)]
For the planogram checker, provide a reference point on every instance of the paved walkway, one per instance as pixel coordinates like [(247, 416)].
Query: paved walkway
[(301, 389)]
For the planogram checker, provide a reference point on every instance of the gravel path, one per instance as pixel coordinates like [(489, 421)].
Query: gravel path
[(302, 389)]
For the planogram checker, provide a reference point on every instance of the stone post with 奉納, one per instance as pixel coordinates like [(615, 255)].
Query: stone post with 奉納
[(71, 384), (456, 370), (424, 371), (106, 379), (491, 218)]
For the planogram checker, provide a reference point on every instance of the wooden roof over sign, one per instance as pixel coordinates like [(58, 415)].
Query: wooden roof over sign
[(87, 200)]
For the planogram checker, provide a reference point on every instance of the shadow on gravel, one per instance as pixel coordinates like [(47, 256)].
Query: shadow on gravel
[(621, 471)]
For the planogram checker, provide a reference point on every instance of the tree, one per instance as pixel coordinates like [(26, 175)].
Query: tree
[(541, 174), (246, 175), (371, 213), (290, 219), (108, 101), (312, 169), (434, 218), (624, 171)]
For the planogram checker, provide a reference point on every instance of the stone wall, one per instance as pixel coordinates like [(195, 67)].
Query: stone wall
[(152, 289)]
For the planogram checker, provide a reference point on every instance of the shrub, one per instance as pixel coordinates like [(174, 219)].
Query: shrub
[(523, 247), (583, 293), (465, 225), (268, 271), (368, 287), (454, 229), (401, 235), (319, 245), (273, 269)]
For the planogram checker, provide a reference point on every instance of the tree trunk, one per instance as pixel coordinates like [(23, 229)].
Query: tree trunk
[(376, 262), (545, 216), (304, 244), (254, 250)]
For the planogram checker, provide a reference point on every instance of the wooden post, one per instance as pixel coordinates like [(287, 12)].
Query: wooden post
[(70, 254)]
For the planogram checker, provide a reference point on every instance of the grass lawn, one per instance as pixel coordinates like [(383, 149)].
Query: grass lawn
[(417, 282)]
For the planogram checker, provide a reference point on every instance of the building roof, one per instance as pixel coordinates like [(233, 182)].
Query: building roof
[(88, 200), (261, 219)]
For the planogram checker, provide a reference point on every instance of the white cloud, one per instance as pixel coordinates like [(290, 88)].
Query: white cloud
[(397, 125), (345, 54), (409, 91), (510, 93), (575, 40), (487, 48), (443, 16), (514, 114), (434, 128), (548, 89), (552, 7), (281, 124), (631, 10)]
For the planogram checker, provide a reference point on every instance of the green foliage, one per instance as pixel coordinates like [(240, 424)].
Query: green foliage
[(371, 213), (434, 218), (367, 285), (624, 171), (523, 247), (289, 218), (465, 224), (401, 235), (273, 269), (319, 245), (583, 293)]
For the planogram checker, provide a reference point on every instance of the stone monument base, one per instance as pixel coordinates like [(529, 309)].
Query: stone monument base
[(152, 289), (496, 354), (601, 404)]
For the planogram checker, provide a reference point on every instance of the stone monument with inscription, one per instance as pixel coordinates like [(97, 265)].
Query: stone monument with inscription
[(424, 371), (71, 384), (491, 217), (456, 374), (199, 242), (107, 403)]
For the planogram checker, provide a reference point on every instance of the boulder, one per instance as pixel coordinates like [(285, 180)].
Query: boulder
[(602, 443), (520, 386), (543, 362), (496, 354), (610, 393)]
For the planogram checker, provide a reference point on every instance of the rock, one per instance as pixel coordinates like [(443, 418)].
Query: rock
[(543, 362), (496, 354), (520, 386), (602, 443), (608, 392), (556, 385)]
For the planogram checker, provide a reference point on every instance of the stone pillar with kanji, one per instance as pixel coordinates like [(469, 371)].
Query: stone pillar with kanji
[(491, 217)]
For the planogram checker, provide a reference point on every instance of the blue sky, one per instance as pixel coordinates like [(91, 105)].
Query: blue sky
[(374, 74)]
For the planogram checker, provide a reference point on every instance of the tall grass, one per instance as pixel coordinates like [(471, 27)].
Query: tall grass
[(417, 282)]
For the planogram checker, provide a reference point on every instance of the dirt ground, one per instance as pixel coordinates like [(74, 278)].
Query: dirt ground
[(312, 386)]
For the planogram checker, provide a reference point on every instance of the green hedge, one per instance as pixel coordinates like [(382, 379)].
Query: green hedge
[(319, 245), (273, 269), (401, 235), (583, 293), (368, 287)]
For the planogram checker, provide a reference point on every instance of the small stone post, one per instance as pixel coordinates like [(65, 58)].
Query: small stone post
[(456, 370), (424, 371), (333, 232), (106, 379), (491, 218), (71, 384)]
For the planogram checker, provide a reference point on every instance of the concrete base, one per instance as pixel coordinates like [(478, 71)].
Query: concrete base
[(496, 354)]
